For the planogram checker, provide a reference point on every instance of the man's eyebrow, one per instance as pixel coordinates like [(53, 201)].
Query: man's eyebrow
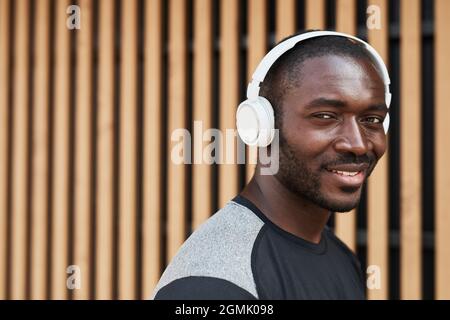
[(378, 107), (340, 104), (325, 102)]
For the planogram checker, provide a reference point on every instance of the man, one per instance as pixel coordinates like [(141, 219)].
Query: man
[(271, 241)]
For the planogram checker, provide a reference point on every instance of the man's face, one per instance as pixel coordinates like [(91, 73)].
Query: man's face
[(332, 131)]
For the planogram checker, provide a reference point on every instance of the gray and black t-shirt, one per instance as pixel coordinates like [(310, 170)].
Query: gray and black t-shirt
[(238, 253)]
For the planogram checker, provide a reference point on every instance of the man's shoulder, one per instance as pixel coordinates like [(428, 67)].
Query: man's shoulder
[(220, 248), (229, 216), (227, 227)]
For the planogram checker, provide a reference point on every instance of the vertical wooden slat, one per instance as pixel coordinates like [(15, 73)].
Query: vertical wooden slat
[(201, 173), (256, 51), (128, 159), (4, 71), (177, 120), (105, 154), (20, 151), (60, 191), (410, 153), (229, 91), (345, 223), (346, 16), (83, 157), (152, 140), (285, 19), (315, 14), (39, 191), (442, 156), (377, 191)]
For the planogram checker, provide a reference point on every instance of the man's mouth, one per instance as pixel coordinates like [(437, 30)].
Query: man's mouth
[(347, 175)]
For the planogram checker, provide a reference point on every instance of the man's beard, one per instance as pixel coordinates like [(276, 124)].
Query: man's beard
[(295, 175)]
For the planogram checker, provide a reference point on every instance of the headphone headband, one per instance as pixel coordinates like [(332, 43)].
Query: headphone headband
[(274, 54)]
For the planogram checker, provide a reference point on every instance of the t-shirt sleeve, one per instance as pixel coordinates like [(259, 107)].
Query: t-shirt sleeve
[(202, 288)]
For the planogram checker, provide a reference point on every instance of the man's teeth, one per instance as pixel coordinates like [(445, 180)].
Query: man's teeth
[(345, 173)]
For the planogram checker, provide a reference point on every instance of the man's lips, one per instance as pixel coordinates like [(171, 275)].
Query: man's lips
[(348, 174)]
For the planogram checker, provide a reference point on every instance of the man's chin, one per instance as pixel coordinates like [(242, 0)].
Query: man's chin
[(343, 208), (339, 207), (344, 204), (344, 199)]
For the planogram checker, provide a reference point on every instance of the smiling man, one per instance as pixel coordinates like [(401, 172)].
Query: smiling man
[(271, 241)]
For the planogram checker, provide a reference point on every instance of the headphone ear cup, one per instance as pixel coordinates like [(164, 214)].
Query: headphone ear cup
[(255, 122), (386, 122), (247, 122), (267, 124)]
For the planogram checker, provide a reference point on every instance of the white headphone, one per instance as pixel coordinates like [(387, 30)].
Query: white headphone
[(255, 119)]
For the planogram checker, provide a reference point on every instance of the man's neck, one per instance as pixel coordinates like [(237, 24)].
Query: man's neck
[(290, 212)]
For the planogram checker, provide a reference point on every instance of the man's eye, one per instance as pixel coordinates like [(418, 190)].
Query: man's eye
[(323, 116), (374, 119)]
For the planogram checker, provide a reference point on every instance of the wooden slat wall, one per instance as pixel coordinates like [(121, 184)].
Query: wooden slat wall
[(20, 151), (152, 151), (410, 153), (177, 119), (39, 204), (229, 90), (60, 161), (256, 50), (202, 109), (285, 19), (83, 154), (315, 14), (105, 158), (4, 112), (48, 74), (345, 223), (442, 154), (377, 191), (128, 152)]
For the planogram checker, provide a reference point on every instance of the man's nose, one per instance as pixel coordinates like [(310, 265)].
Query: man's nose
[(351, 139)]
